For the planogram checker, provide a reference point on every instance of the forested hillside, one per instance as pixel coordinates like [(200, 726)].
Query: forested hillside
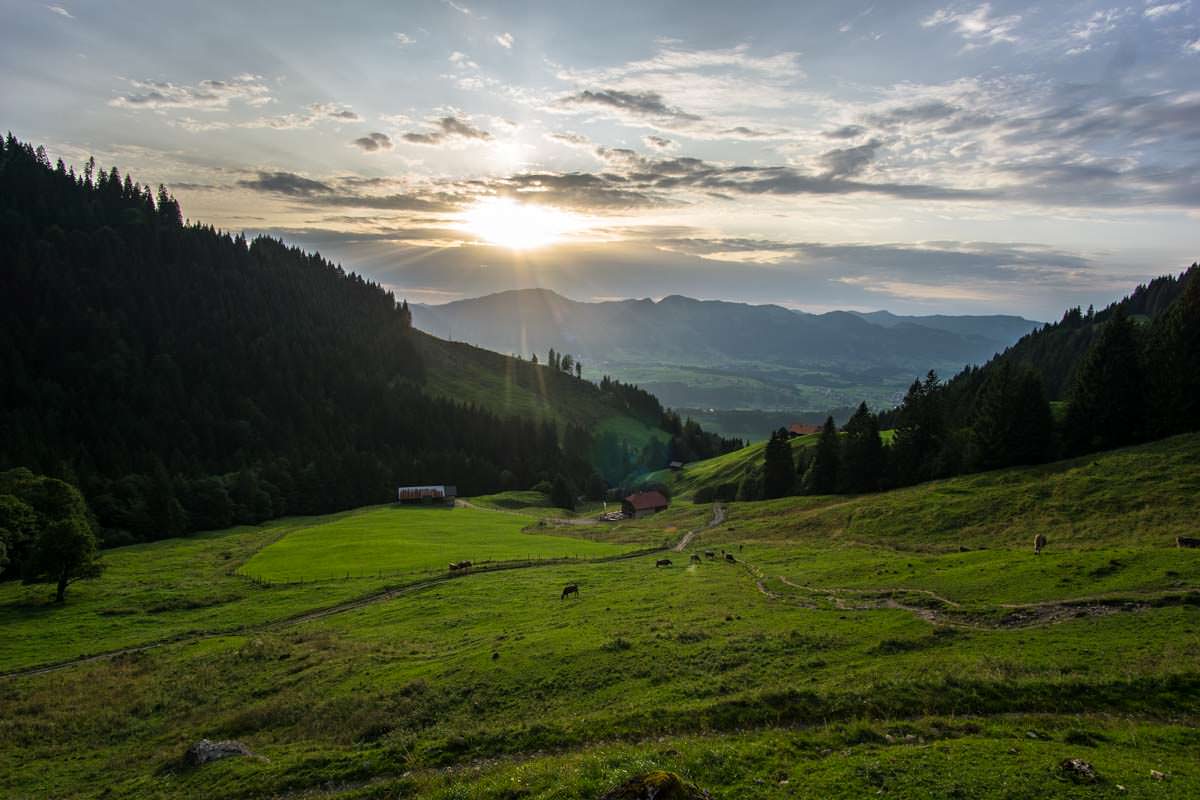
[(188, 379)]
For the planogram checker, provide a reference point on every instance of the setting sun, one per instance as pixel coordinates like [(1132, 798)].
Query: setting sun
[(519, 226)]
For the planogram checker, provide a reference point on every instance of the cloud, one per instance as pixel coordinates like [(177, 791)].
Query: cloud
[(207, 95), (979, 28), (448, 129), (286, 183), (348, 192), (373, 142), (1098, 24), (1163, 9), (845, 132), (640, 104), (849, 161), (313, 114), (460, 9), (462, 60), (1193, 46), (403, 39), (505, 40), (62, 12), (570, 139), (660, 143)]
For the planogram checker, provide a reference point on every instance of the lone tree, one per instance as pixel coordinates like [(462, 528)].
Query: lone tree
[(44, 527), (63, 552)]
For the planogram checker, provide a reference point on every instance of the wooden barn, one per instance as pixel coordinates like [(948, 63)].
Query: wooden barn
[(643, 504), (428, 495)]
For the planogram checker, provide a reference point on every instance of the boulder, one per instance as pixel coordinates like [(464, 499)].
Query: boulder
[(656, 785), (204, 751), (1079, 770)]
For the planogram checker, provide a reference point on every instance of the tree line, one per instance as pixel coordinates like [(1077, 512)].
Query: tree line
[(1136, 380)]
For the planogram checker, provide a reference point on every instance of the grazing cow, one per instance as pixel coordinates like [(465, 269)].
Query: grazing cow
[(695, 558), (1186, 541), (709, 554), (570, 588), (1039, 542), (456, 566), (729, 557), (662, 562), (740, 546)]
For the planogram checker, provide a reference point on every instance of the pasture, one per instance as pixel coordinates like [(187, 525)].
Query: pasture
[(410, 540), (856, 648)]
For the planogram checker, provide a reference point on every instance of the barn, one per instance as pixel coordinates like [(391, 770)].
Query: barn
[(802, 429), (643, 504), (441, 494)]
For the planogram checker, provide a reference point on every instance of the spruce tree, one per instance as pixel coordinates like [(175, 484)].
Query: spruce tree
[(779, 470), (822, 477), (1106, 406), (862, 454)]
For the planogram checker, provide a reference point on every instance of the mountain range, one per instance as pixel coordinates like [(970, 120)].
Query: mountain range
[(713, 354)]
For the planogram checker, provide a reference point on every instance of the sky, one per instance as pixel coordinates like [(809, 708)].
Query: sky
[(921, 157)]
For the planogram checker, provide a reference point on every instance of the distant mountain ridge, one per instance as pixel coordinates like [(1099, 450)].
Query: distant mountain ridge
[(687, 331)]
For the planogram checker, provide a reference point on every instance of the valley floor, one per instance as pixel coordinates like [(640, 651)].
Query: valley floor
[(902, 645)]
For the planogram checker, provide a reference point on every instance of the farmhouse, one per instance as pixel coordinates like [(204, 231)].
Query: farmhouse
[(428, 494), (801, 429), (676, 465), (643, 504)]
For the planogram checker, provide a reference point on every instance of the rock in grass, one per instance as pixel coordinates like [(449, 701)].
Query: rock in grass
[(1079, 770), (656, 785), (204, 751)]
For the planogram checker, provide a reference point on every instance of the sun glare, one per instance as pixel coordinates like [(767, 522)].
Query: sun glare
[(520, 226)]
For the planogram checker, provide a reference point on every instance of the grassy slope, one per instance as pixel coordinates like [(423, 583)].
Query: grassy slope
[(813, 662), (471, 374), (727, 468)]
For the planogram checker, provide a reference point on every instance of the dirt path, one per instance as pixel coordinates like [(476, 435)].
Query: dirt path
[(717, 518), (1000, 616)]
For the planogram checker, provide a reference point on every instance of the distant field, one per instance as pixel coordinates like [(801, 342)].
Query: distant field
[(393, 540)]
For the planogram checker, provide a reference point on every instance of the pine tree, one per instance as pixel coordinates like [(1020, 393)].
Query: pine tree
[(1173, 363), (1106, 406), (779, 470), (822, 475), (920, 432), (863, 459)]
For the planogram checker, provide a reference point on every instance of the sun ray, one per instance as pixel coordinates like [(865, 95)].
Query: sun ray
[(518, 226)]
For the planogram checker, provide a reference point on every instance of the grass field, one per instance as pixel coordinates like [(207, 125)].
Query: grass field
[(410, 540), (902, 645)]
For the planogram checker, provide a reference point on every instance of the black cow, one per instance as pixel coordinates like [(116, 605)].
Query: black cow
[(570, 588), (663, 562), (729, 557)]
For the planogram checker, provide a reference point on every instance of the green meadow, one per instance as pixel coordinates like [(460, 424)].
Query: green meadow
[(396, 540), (908, 644)]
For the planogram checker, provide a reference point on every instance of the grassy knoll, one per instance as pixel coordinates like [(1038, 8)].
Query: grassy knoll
[(855, 649), (410, 540)]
